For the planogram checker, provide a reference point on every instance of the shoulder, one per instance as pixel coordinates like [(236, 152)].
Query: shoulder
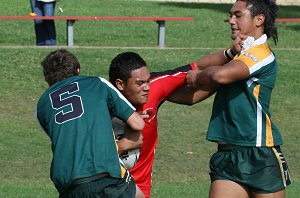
[(256, 52), (257, 57)]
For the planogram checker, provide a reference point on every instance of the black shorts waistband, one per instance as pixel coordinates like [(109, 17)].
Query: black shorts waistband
[(229, 147), (90, 178)]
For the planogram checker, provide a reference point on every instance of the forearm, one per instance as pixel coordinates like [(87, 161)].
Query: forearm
[(208, 77), (222, 57), (189, 96), (211, 60), (129, 141), (124, 145), (220, 75)]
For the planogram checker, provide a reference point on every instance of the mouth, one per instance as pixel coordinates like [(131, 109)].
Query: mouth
[(145, 96), (233, 30)]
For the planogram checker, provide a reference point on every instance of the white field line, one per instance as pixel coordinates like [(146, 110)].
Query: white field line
[(120, 47)]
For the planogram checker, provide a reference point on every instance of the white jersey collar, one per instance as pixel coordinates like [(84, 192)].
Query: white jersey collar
[(250, 42)]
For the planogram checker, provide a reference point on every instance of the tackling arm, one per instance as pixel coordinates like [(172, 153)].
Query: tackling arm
[(204, 83), (194, 94), (231, 72), (223, 57), (188, 95)]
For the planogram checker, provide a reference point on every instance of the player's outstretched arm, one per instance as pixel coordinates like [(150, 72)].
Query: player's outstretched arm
[(222, 57), (231, 72), (211, 60), (188, 95), (198, 90)]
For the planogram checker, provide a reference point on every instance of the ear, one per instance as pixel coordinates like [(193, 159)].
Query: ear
[(78, 70), (120, 84), (260, 19)]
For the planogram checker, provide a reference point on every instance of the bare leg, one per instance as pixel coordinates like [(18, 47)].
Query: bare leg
[(228, 189), (279, 194), (139, 193)]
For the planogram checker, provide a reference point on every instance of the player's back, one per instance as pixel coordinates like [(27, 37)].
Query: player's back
[(75, 113)]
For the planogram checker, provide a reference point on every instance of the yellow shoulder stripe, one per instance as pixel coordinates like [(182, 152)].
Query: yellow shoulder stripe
[(254, 55)]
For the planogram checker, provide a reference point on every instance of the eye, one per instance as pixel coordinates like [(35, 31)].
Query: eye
[(140, 83)]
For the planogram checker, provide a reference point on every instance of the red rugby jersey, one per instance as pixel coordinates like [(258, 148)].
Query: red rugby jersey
[(162, 85)]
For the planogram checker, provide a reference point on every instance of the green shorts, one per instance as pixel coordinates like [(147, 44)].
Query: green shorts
[(260, 169), (106, 187)]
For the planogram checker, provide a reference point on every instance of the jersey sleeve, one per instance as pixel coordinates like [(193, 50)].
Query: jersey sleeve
[(118, 104), (184, 68), (166, 82), (257, 59)]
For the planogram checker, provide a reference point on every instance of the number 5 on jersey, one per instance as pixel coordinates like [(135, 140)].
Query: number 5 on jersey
[(70, 106)]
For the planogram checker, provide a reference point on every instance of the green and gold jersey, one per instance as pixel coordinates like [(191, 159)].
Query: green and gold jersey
[(76, 115), (240, 114)]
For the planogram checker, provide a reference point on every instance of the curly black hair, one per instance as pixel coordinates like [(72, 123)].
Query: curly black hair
[(269, 9)]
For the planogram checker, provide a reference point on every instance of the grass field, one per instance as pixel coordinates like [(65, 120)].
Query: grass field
[(181, 165)]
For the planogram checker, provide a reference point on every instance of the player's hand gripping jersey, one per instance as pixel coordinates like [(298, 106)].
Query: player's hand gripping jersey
[(162, 85)]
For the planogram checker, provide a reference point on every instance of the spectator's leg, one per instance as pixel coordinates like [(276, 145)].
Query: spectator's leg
[(32, 4), (39, 24), (48, 9)]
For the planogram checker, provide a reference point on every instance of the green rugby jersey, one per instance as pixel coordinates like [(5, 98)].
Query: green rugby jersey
[(240, 114), (76, 115)]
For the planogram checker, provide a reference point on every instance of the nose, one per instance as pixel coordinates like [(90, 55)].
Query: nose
[(231, 20), (147, 87)]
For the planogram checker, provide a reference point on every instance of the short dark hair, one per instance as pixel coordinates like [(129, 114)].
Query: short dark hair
[(269, 9), (123, 64), (59, 65)]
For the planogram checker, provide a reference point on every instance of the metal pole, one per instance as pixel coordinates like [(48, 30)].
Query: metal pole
[(70, 32), (161, 33)]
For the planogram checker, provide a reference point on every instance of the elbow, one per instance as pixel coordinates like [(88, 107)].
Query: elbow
[(219, 78)]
